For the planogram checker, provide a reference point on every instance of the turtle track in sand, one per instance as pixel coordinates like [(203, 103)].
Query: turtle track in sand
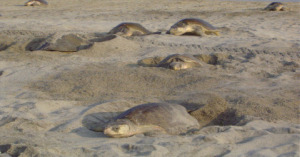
[(25, 36), (243, 50)]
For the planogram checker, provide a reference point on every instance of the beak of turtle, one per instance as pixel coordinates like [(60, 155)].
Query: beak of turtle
[(105, 131)]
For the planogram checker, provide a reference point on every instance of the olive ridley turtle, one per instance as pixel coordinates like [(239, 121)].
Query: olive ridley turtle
[(36, 3), (193, 26), (130, 29), (174, 62), (276, 6), (152, 118)]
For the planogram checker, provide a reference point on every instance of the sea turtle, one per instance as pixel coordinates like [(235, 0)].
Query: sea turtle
[(183, 61), (193, 26), (36, 3), (130, 29), (59, 42), (275, 6), (152, 118), (174, 62)]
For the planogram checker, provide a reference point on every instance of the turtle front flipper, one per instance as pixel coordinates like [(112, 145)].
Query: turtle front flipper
[(215, 32), (155, 133), (284, 9), (150, 62), (199, 31), (136, 33), (123, 31), (152, 130)]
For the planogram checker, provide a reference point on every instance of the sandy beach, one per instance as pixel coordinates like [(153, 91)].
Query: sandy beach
[(50, 101)]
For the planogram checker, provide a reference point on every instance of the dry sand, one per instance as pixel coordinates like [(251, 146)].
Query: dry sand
[(49, 99)]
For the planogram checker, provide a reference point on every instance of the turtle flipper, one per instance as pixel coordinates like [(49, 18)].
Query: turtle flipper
[(150, 62)]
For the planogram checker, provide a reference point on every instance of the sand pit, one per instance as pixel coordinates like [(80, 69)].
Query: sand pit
[(78, 78)]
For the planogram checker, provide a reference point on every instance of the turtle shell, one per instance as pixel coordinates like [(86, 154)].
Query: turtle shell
[(137, 28), (178, 58), (274, 6), (173, 118), (194, 21)]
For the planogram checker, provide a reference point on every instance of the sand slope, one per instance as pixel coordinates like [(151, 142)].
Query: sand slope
[(49, 100)]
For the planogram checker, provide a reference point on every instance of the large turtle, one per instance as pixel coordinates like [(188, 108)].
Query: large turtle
[(130, 29), (153, 117), (174, 62), (36, 3), (276, 6), (193, 26)]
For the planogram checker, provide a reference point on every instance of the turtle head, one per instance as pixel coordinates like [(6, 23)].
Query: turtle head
[(178, 28), (36, 3), (275, 6), (120, 128), (30, 3), (179, 65)]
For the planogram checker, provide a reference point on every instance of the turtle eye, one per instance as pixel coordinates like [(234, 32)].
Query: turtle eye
[(178, 60), (115, 128), (181, 24)]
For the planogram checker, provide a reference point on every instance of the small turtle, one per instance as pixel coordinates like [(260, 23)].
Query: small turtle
[(192, 26), (130, 29), (36, 3), (152, 118), (275, 6)]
